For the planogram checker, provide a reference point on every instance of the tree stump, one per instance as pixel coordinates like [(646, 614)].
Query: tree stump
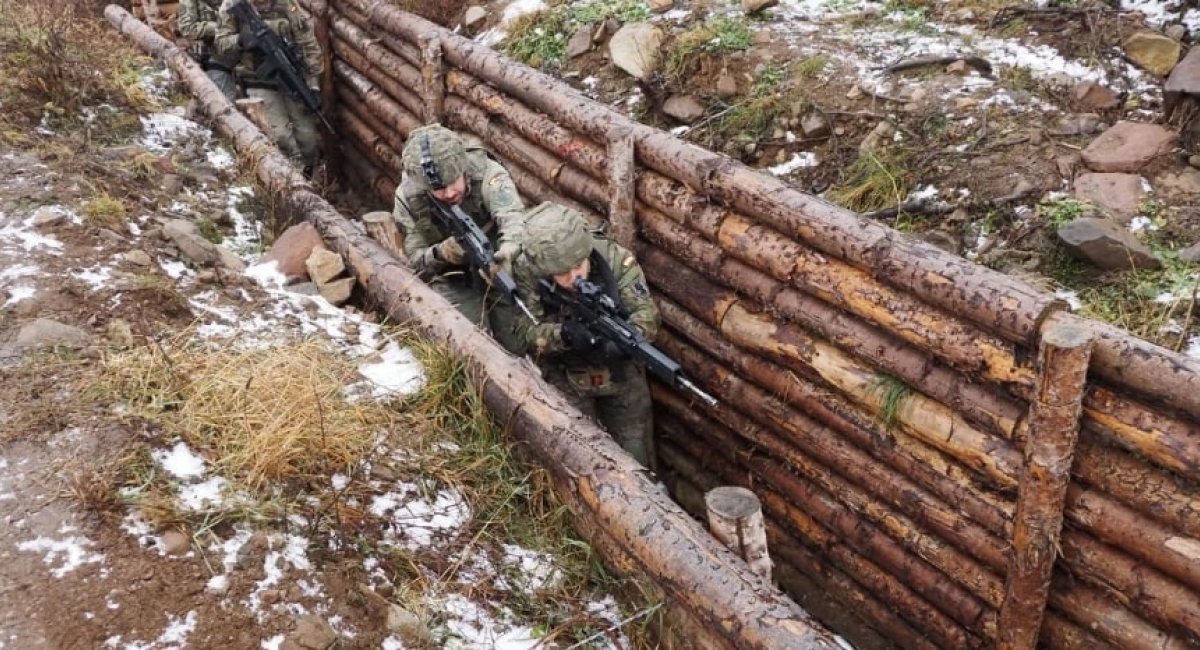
[(735, 519), (382, 228)]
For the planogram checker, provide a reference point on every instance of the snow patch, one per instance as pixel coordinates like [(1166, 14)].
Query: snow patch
[(70, 552)]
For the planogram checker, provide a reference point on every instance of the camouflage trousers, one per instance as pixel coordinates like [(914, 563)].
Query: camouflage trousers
[(624, 410), (292, 125), (484, 310)]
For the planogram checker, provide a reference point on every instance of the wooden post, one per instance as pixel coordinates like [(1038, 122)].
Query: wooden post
[(255, 109), (433, 76), (382, 228), (621, 187), (735, 519), (1049, 452)]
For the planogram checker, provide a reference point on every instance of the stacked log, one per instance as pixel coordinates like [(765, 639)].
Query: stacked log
[(896, 378)]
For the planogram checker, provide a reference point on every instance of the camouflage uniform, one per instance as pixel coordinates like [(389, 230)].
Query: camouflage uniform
[(294, 127), (558, 239), (492, 201), (198, 23)]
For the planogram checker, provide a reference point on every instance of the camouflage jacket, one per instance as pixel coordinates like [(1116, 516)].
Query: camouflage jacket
[(285, 18), (491, 200), (545, 340), (198, 19)]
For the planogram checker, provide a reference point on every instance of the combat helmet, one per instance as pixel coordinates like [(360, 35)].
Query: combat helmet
[(434, 155), (556, 239)]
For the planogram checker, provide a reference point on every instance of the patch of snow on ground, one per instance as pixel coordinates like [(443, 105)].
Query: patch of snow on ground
[(180, 462), (1159, 13), (219, 158), (198, 496), (140, 529), (513, 11), (1193, 349), (97, 277), (415, 522), (800, 160), (1070, 297), (472, 626), (172, 638), (396, 373), (161, 132), (69, 552), (19, 293), (537, 570), (25, 236)]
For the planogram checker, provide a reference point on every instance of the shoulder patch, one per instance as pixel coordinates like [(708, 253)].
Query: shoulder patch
[(496, 181), (629, 261), (640, 290)]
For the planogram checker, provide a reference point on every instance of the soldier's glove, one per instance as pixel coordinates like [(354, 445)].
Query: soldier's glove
[(576, 337), (246, 39), (449, 252), (507, 253), (609, 351)]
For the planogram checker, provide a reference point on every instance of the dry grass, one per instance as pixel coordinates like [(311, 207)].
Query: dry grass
[(261, 416)]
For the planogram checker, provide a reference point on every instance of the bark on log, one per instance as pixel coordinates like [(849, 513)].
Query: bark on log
[(395, 90), (366, 174), (834, 550), (256, 110), (621, 188), (1049, 452), (369, 140), (735, 519), (391, 136), (860, 602), (1170, 442), (381, 226), (376, 54), (606, 485), (433, 77)]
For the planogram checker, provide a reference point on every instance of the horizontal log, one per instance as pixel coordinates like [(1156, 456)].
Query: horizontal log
[(861, 603), (395, 90), (366, 174), (391, 136), (1169, 441), (357, 129)]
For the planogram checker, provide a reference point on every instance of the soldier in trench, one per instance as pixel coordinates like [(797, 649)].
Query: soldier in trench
[(560, 247), (467, 177), (198, 24), (293, 126)]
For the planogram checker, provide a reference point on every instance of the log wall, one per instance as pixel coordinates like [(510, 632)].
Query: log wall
[(880, 395)]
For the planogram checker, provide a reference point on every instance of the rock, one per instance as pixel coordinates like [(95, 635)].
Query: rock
[(176, 543), (207, 276), (726, 86), (1080, 124), (1067, 164), (291, 250), (171, 184), (118, 333), (1191, 254), (138, 257), (879, 135), (964, 15), (685, 108), (49, 215), (338, 291), (635, 49), (1106, 244), (1153, 52), (1184, 79), (661, 6), (1128, 146), (473, 18), (1183, 185), (959, 67), (580, 42), (1176, 31), (1194, 160), (304, 289), (228, 260), (751, 6), (186, 237), (46, 333), (311, 633), (253, 552), (855, 92), (814, 125), (1116, 195), (324, 265), (111, 236), (944, 240), (1090, 96), (407, 624)]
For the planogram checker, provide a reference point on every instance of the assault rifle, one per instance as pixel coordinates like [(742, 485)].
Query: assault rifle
[(282, 60), (478, 251), (590, 305)]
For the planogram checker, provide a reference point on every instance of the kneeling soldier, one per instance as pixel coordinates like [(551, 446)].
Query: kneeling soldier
[(558, 251)]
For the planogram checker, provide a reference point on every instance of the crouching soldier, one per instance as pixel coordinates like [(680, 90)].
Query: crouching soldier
[(198, 23), (293, 126), (558, 251), (438, 166)]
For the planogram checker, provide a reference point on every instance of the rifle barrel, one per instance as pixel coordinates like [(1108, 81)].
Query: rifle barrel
[(695, 390)]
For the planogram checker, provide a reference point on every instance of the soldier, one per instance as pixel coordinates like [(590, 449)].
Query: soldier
[(559, 245), (293, 126), (468, 178), (198, 23)]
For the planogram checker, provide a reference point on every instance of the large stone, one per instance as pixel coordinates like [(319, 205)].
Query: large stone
[(726, 86), (49, 215), (1078, 124), (1184, 79), (635, 49), (580, 43), (685, 108), (338, 291), (751, 6), (1117, 195), (1182, 185), (661, 6), (311, 633), (473, 18), (191, 244), (138, 257), (324, 265), (814, 125), (1153, 52), (1090, 96), (1106, 244), (228, 260), (46, 333), (292, 249), (1127, 147)]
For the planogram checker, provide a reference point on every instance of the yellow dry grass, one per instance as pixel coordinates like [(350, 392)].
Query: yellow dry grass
[(261, 416)]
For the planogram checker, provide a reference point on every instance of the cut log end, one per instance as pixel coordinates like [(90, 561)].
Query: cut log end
[(732, 502)]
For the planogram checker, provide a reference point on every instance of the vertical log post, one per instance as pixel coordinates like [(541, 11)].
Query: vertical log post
[(321, 15), (620, 186), (382, 228), (1049, 451), (433, 77), (735, 519)]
